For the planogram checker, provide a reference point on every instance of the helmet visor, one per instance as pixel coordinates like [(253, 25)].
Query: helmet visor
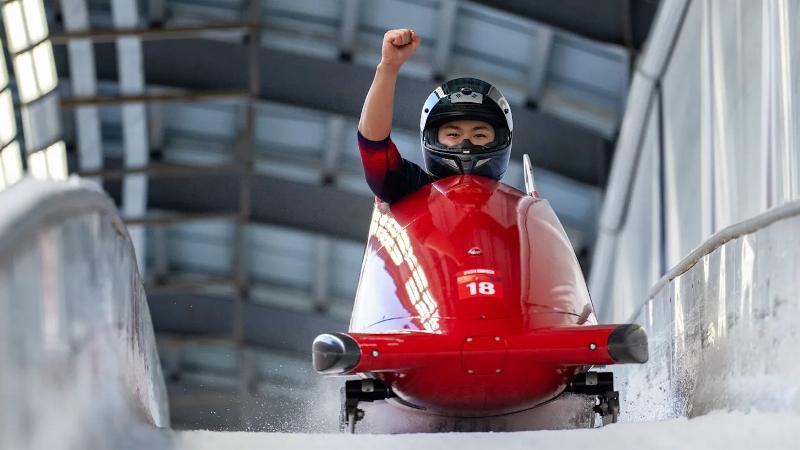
[(430, 140)]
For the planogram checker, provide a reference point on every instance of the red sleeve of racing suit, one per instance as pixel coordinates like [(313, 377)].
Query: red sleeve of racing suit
[(389, 175)]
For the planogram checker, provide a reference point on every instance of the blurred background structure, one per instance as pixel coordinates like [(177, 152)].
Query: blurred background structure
[(225, 131)]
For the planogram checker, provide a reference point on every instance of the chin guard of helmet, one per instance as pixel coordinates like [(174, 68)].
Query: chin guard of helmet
[(466, 147)]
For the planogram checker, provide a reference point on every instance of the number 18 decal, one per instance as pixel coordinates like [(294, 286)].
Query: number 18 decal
[(482, 288), (479, 283)]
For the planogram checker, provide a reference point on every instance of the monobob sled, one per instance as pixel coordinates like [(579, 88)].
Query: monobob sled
[(471, 304)]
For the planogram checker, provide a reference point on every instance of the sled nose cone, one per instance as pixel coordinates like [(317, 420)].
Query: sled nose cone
[(628, 344), (335, 353)]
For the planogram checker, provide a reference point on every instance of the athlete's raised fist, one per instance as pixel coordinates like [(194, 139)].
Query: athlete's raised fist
[(398, 46)]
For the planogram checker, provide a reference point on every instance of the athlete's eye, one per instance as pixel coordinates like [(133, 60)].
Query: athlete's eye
[(452, 134)]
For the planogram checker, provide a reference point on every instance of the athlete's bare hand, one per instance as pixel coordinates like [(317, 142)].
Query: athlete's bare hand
[(398, 46)]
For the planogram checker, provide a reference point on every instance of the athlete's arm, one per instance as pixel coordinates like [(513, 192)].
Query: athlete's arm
[(376, 115), (388, 175)]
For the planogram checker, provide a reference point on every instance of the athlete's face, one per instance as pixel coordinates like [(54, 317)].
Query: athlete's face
[(477, 131)]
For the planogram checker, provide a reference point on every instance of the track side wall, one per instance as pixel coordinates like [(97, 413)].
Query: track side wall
[(78, 362)]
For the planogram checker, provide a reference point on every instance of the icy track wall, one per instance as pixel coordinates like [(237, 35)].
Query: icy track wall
[(698, 235), (79, 367), (723, 326)]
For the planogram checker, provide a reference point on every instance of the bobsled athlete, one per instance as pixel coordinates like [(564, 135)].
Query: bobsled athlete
[(465, 127)]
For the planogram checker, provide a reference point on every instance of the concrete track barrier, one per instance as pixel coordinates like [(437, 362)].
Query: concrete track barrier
[(78, 361)]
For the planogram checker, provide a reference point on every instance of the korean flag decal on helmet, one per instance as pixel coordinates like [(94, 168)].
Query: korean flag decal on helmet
[(466, 95)]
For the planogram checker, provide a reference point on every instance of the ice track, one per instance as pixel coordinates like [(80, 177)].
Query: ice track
[(723, 431)]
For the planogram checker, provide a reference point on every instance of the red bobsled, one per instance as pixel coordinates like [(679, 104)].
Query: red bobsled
[(471, 303)]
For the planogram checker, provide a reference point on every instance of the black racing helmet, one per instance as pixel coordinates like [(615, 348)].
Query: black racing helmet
[(466, 99)]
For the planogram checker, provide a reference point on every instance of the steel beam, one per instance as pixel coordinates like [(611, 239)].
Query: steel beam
[(448, 16), (160, 254), (84, 83), (348, 30), (188, 287), (156, 12), (332, 155), (131, 78), (174, 217), (322, 274), (538, 70), (171, 170), (246, 154), (264, 326), (153, 34), (184, 96)]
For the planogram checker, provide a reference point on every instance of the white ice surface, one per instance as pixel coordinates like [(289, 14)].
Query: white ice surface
[(718, 430)]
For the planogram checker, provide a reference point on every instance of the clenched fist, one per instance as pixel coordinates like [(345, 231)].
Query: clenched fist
[(398, 46)]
